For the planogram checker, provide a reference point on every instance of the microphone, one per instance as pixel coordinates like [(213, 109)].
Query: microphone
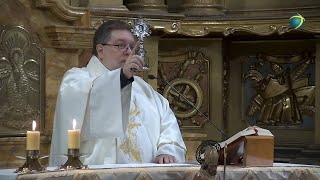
[(150, 76)]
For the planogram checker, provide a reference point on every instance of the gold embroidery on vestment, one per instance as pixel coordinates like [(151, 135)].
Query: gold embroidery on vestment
[(129, 146)]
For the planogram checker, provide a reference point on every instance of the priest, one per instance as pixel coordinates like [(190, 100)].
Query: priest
[(122, 119)]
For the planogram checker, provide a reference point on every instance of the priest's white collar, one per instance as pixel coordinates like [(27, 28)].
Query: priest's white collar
[(96, 67)]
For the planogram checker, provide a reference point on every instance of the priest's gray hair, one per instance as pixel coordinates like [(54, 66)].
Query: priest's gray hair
[(103, 33)]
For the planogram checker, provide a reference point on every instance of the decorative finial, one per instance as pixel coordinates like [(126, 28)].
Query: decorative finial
[(141, 29)]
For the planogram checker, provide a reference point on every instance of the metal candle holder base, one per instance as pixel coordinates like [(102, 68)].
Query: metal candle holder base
[(32, 162), (73, 161)]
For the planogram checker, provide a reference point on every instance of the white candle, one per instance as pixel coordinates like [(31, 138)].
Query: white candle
[(74, 137), (33, 138)]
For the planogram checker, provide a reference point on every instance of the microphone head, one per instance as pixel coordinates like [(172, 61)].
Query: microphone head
[(150, 76)]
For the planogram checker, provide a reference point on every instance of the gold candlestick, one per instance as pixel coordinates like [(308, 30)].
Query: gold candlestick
[(73, 161), (32, 153), (32, 162)]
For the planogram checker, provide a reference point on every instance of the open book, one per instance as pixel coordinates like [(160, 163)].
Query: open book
[(252, 130)]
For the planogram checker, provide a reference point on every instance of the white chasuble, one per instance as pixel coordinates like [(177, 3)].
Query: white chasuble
[(129, 125)]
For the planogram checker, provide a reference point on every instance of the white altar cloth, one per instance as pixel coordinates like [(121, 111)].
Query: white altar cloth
[(171, 171)]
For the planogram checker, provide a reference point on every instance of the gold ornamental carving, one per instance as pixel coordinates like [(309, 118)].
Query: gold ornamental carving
[(21, 80), (169, 27), (165, 23), (199, 28), (190, 85), (203, 29), (146, 5), (62, 10), (187, 73), (70, 37), (75, 37), (80, 37), (284, 95), (259, 30), (202, 7)]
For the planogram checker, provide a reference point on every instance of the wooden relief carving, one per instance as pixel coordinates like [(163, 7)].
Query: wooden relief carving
[(20, 81), (187, 73), (284, 93)]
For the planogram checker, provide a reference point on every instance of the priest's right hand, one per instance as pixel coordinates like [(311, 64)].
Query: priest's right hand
[(133, 63), (165, 159)]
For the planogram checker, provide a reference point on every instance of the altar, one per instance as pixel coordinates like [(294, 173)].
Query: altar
[(171, 171)]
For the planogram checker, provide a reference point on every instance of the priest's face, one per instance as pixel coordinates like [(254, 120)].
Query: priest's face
[(114, 53)]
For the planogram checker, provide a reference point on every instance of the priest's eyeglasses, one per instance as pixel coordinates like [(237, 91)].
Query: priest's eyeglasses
[(121, 47)]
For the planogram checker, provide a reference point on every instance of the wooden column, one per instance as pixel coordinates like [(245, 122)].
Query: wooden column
[(216, 89), (146, 5), (151, 46), (115, 5), (317, 95), (235, 111), (203, 7)]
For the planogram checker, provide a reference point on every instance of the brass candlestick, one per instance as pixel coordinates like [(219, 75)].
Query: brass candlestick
[(73, 161), (32, 162)]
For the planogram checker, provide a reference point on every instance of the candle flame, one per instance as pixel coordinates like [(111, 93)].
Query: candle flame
[(34, 124), (74, 123)]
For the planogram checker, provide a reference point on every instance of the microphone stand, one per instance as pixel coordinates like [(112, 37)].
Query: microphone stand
[(201, 113), (190, 103)]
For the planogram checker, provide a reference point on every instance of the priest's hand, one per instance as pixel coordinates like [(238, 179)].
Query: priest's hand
[(133, 63), (164, 159)]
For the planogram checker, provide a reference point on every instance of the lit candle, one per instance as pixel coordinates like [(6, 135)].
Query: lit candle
[(33, 138), (74, 137)]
